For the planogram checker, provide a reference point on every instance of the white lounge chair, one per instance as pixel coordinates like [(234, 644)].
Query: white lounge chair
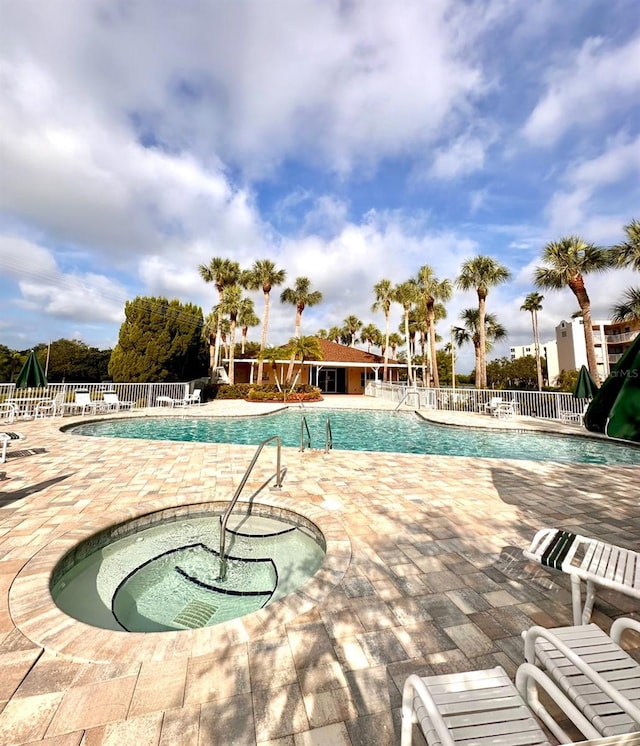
[(193, 398), (82, 403), (111, 402), (5, 439), (485, 707), (593, 670), (506, 410), (584, 559)]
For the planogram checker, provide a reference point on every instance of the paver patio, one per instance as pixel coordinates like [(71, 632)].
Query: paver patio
[(424, 575)]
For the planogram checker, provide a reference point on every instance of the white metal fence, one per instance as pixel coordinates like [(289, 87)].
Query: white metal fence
[(549, 405), (142, 394)]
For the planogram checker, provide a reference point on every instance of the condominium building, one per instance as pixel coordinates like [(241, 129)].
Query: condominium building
[(610, 340), (548, 351)]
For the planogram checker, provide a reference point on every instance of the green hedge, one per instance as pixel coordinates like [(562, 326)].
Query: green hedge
[(267, 392)]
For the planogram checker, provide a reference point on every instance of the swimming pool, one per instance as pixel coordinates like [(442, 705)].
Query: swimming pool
[(359, 430)]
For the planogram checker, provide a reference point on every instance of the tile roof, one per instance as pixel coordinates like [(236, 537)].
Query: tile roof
[(337, 353)]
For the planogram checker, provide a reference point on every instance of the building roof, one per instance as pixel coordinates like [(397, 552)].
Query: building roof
[(336, 353)]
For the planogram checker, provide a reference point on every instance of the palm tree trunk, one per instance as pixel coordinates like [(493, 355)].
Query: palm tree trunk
[(482, 332), (408, 342), (477, 354), (580, 292), (263, 338), (385, 371), (232, 350), (536, 342), (432, 344)]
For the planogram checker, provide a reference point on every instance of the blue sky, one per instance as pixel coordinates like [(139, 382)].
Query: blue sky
[(348, 141)]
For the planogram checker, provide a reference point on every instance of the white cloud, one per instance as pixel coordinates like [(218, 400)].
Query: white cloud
[(462, 156), (598, 80)]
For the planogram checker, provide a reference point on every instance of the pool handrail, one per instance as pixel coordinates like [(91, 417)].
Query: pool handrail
[(224, 518), (328, 437), (304, 426)]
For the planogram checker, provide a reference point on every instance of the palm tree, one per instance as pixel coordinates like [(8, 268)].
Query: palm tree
[(222, 272), (272, 354), (384, 296), (432, 289), (300, 296), (533, 304), (371, 335), (479, 274), (322, 334), (470, 332), (246, 318), (230, 305), (629, 307), (264, 275), (567, 261), (406, 294), (352, 324), (395, 340), (627, 253), (303, 348)]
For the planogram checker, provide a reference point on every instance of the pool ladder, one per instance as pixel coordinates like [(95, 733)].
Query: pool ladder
[(279, 475), (305, 435)]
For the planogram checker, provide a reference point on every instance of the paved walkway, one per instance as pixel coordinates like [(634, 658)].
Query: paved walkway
[(423, 574)]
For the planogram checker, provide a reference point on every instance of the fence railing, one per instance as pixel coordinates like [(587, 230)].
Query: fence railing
[(551, 405), (142, 394)]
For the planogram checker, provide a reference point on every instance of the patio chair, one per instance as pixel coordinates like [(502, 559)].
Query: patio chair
[(5, 439), (193, 398), (82, 403), (584, 559), (593, 670), (7, 412), (111, 402), (490, 407), (50, 407), (506, 410), (478, 707)]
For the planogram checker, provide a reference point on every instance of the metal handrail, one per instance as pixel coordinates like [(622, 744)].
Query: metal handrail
[(328, 437), (234, 499), (304, 426)]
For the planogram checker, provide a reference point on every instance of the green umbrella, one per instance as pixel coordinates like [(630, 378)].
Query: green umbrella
[(31, 375), (585, 387), (615, 409)]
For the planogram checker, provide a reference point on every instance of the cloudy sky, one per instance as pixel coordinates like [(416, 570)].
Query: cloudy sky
[(346, 140)]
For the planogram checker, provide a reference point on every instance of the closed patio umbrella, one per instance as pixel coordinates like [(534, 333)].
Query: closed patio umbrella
[(31, 375), (585, 387), (615, 409)]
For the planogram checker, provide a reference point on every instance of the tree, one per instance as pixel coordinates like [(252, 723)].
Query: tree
[(470, 332), (300, 296), (351, 325), (533, 304), (272, 354), (479, 274), (264, 275), (159, 340), (433, 290), (334, 334), (567, 261), (371, 335), (406, 294), (222, 272), (520, 373), (247, 318), (231, 305), (395, 340), (627, 253), (384, 296), (303, 348), (628, 309)]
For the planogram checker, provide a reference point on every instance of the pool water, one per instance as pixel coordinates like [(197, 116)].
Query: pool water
[(377, 430)]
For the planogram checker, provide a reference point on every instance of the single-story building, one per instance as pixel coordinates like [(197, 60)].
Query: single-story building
[(342, 370)]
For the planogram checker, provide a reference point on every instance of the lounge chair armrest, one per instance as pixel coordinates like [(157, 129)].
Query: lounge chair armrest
[(622, 624), (415, 686), (527, 677), (533, 633)]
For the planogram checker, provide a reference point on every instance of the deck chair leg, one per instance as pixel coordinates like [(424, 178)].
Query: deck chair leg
[(576, 597), (588, 602), (4, 450)]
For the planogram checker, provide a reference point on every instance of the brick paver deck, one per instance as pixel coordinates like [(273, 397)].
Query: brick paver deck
[(424, 574)]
